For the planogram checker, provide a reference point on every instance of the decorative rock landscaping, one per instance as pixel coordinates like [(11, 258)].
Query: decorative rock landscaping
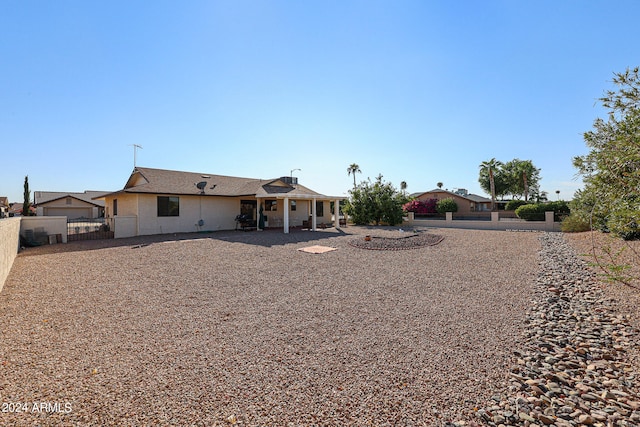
[(572, 368), (396, 240)]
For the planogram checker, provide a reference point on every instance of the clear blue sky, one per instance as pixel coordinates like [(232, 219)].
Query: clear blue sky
[(418, 91)]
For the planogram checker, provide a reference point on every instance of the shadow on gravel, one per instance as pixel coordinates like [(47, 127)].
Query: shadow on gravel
[(267, 238)]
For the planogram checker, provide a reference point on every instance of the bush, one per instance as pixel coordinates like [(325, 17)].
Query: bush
[(446, 205), (624, 221), (535, 211), (375, 202), (512, 205), (575, 223), (560, 209), (421, 206), (531, 212)]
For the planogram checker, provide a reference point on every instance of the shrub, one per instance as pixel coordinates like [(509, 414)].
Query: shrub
[(375, 202), (535, 211), (531, 212), (560, 209), (624, 221), (512, 205), (421, 206), (446, 205), (574, 223)]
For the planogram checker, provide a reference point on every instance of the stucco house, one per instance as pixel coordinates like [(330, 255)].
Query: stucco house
[(467, 203), (71, 205), (158, 201)]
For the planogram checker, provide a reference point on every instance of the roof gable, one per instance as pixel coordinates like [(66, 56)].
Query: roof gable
[(43, 197)]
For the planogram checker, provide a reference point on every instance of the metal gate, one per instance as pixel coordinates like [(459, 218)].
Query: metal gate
[(88, 229)]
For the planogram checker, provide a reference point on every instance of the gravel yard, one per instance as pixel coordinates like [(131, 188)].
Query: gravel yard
[(242, 328)]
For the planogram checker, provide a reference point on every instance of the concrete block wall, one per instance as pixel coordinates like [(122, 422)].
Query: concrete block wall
[(9, 244)]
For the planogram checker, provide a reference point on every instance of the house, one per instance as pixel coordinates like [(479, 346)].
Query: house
[(158, 201), (467, 203), (71, 205)]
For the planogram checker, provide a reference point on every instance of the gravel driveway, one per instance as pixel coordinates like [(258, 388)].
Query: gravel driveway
[(242, 328)]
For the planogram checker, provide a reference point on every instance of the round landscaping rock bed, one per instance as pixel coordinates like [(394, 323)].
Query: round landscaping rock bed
[(395, 241)]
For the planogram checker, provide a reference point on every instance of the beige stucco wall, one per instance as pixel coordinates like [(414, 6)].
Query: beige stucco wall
[(125, 226), (496, 223), (49, 224), (218, 213), (9, 241)]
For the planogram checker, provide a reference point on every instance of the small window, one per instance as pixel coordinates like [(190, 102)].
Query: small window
[(293, 205), (115, 207), (319, 208), (168, 206), (270, 205), (69, 200)]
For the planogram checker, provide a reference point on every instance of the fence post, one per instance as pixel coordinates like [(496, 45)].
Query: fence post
[(548, 220), (495, 219), (412, 217)]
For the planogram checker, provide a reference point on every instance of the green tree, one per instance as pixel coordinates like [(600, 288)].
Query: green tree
[(488, 180), (611, 169), (375, 202), (26, 205), (353, 169), (439, 184), (522, 178)]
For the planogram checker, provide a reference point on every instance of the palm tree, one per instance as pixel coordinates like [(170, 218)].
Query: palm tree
[(403, 187), (558, 193), (353, 169), (489, 166), (439, 184)]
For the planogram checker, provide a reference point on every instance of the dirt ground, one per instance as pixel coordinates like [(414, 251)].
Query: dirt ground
[(606, 253)]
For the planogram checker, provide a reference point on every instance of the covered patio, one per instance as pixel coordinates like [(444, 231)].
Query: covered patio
[(291, 202)]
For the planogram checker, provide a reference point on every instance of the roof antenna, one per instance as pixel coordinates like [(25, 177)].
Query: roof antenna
[(135, 152)]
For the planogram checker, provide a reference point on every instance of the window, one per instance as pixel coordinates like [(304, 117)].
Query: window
[(115, 207), (270, 205), (168, 206), (319, 208), (293, 205), (69, 201)]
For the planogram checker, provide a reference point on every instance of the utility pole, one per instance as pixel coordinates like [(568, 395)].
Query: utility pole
[(135, 152)]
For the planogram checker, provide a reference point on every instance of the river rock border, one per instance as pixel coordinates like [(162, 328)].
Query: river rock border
[(571, 369), (408, 241)]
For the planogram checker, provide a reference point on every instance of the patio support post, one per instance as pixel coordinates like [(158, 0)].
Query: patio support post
[(286, 215), (258, 214), (313, 215), (336, 213)]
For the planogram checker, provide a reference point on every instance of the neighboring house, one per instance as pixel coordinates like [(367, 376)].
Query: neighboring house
[(158, 201), (4, 207), (71, 205), (467, 203)]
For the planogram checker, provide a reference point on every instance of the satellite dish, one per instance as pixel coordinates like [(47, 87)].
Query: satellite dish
[(201, 185)]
